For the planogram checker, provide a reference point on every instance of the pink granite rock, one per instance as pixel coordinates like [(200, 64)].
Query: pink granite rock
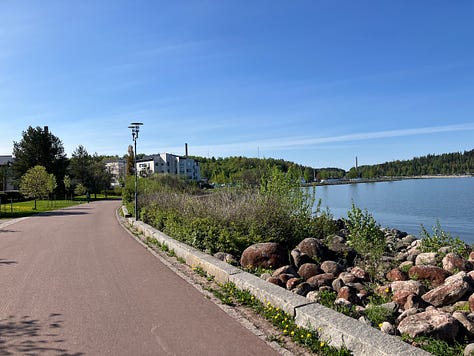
[(432, 322), (452, 290)]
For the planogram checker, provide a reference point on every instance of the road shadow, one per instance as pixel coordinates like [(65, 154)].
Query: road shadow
[(28, 336), (62, 213), (4, 230), (7, 262)]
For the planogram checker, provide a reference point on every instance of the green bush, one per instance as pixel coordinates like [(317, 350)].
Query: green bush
[(439, 238), (366, 237)]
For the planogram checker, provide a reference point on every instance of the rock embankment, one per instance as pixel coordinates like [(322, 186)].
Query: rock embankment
[(424, 294)]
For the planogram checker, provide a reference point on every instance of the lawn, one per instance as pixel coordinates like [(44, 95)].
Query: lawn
[(26, 208)]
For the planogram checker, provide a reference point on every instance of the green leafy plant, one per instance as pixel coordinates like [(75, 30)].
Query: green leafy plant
[(405, 268), (366, 237), (440, 238), (378, 314), (327, 298), (436, 346)]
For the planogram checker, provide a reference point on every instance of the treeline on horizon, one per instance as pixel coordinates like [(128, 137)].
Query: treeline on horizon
[(251, 170), (456, 163)]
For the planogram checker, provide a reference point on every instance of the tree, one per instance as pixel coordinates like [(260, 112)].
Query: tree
[(67, 184), (130, 171), (39, 147), (80, 189), (90, 171), (52, 184), (352, 173), (308, 174), (80, 165), (35, 183), (100, 178)]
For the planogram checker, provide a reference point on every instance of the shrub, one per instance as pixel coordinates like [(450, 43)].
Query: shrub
[(366, 237), (229, 219), (439, 238), (324, 223)]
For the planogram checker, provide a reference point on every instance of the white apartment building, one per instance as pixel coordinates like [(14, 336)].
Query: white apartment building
[(171, 164), (5, 173), (116, 168)]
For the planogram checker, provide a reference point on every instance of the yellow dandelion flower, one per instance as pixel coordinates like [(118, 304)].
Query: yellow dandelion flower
[(269, 303), (292, 333), (380, 325), (321, 344), (285, 331), (308, 335), (387, 290)]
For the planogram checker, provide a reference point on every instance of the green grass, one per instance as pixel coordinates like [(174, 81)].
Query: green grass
[(83, 198), (26, 208), (231, 295)]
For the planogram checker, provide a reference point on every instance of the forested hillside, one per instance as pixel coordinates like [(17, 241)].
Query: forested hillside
[(444, 164), (250, 170)]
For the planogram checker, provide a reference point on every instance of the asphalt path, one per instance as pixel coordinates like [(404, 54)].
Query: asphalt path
[(73, 282)]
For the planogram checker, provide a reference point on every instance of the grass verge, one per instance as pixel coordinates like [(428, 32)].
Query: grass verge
[(26, 208)]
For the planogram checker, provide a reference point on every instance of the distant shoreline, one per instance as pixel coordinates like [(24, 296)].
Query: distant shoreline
[(440, 176), (383, 179)]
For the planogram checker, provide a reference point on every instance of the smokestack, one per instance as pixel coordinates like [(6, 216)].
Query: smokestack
[(186, 150)]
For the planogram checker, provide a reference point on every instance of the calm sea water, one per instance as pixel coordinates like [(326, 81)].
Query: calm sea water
[(407, 204)]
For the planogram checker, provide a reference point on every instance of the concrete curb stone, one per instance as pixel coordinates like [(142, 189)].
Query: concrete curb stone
[(356, 336)]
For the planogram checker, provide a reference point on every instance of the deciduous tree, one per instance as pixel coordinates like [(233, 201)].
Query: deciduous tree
[(36, 183)]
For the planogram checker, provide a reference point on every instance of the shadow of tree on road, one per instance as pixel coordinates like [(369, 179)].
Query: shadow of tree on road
[(27, 336), (7, 262), (62, 213)]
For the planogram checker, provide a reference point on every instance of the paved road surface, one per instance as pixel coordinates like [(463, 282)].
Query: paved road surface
[(73, 282)]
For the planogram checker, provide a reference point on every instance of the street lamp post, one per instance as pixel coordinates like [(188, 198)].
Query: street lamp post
[(135, 127)]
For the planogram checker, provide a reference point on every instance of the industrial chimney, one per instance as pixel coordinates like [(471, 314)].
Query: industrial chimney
[(186, 150)]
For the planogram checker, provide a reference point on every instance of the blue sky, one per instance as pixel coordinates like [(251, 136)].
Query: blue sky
[(315, 82)]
